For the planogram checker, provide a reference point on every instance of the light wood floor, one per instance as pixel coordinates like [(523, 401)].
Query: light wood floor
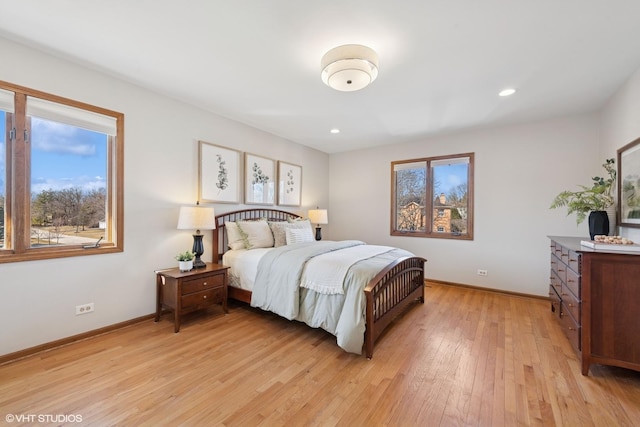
[(465, 357)]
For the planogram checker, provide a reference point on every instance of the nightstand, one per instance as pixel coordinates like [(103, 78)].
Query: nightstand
[(184, 292)]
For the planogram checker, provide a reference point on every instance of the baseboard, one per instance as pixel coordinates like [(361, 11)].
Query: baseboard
[(12, 357), (479, 288)]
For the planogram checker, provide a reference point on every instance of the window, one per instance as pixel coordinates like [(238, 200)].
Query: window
[(61, 176), (433, 197)]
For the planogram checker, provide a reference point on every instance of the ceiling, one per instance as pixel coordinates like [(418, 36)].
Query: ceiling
[(442, 62)]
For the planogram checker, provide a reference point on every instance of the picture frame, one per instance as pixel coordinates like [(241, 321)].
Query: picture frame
[(289, 184), (629, 185), (219, 173), (259, 180)]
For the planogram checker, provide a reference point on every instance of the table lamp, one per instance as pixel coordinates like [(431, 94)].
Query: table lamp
[(197, 218), (318, 216)]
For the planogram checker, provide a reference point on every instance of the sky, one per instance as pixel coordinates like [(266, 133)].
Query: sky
[(62, 156), (449, 177)]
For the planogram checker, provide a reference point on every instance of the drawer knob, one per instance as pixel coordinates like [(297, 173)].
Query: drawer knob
[(204, 297), (572, 329), (204, 284)]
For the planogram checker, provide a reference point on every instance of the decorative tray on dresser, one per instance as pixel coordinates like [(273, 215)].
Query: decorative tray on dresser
[(595, 293)]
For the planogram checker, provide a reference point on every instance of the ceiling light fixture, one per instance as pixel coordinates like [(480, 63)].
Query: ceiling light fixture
[(335, 130), (507, 92), (349, 67)]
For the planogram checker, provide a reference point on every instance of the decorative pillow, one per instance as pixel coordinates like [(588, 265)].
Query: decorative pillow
[(298, 235), (279, 228), (256, 234), (234, 236)]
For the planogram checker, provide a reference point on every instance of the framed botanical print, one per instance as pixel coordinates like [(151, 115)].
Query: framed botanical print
[(629, 184), (289, 184), (219, 173), (259, 180)]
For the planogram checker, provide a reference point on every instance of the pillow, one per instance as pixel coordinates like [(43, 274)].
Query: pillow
[(298, 235), (279, 228), (256, 234), (234, 236)]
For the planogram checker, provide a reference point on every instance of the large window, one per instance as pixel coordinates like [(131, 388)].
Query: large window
[(433, 197), (61, 176)]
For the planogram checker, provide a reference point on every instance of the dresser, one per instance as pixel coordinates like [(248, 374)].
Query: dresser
[(188, 291), (595, 295)]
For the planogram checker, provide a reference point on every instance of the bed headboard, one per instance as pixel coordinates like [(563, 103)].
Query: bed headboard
[(220, 235)]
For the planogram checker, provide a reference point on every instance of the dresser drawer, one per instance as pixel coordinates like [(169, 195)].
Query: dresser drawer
[(575, 262), (560, 269), (571, 304), (556, 284), (573, 283), (570, 328), (555, 261), (197, 285), (202, 299)]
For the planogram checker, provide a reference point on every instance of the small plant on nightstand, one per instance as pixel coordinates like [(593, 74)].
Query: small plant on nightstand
[(185, 260)]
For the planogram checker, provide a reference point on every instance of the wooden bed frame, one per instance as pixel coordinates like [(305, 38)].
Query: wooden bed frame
[(397, 286)]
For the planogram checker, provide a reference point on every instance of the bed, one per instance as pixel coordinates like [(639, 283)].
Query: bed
[(393, 278)]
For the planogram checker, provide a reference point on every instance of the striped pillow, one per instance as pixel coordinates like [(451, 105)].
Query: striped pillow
[(299, 235)]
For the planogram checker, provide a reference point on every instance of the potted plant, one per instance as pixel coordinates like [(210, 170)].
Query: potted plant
[(185, 260), (594, 200)]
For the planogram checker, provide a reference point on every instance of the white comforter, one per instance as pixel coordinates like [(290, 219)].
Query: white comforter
[(277, 288)]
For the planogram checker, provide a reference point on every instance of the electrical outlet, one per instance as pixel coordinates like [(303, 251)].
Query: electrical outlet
[(84, 308), (482, 273)]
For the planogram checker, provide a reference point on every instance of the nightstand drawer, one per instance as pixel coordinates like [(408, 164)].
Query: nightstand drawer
[(197, 285), (202, 299)]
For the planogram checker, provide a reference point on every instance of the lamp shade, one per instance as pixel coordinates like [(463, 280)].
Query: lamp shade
[(196, 218), (318, 216)]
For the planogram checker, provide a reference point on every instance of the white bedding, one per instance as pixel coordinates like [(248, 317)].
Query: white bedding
[(341, 314), (243, 266)]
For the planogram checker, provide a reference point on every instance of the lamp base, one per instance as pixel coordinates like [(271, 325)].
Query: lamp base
[(198, 249), (318, 233)]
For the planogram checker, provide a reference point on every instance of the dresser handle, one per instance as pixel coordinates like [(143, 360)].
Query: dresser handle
[(204, 284), (204, 297), (560, 270), (572, 329)]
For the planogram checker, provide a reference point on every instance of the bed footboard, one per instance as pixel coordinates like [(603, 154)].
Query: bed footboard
[(391, 291)]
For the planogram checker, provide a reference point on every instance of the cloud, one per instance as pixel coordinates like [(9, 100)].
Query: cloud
[(60, 138), (86, 183)]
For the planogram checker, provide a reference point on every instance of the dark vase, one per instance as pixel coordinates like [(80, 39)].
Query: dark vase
[(598, 224)]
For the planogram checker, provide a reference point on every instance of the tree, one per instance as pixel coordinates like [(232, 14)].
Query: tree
[(42, 207)]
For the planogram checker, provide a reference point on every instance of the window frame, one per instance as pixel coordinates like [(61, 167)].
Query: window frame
[(429, 231), (18, 185)]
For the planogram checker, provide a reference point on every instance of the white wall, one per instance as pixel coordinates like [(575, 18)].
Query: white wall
[(518, 171), (621, 125), (39, 297)]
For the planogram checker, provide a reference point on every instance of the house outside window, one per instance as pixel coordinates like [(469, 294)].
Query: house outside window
[(433, 197), (61, 176)]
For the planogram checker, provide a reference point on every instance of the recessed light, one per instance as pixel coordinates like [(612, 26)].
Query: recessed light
[(507, 92), (335, 130)]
